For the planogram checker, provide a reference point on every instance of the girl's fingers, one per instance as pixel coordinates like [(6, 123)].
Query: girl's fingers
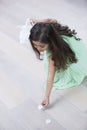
[(32, 21), (44, 103)]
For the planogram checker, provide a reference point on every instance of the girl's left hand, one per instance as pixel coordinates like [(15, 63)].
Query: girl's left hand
[(45, 102), (33, 21)]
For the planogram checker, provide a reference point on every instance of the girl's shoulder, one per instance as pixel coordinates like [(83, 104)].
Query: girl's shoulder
[(48, 53), (73, 37), (71, 40)]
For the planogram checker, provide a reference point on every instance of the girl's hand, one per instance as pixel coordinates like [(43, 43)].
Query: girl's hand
[(48, 20), (33, 21), (45, 102)]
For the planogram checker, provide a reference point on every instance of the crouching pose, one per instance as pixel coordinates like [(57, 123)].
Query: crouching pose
[(65, 55)]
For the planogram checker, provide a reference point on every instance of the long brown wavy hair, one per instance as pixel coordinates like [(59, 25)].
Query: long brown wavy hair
[(51, 34)]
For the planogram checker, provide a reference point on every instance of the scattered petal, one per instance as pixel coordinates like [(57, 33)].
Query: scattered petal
[(48, 121), (40, 107)]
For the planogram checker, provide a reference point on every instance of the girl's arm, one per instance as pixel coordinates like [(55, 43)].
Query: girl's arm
[(50, 78), (48, 20)]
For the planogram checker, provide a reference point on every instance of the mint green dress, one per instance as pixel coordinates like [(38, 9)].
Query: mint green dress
[(76, 72)]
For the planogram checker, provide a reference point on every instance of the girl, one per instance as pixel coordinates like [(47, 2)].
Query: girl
[(65, 58)]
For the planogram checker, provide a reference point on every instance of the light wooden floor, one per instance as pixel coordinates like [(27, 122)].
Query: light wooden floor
[(22, 75)]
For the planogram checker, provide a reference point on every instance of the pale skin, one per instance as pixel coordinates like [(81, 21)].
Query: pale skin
[(51, 72), (51, 68), (33, 21)]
